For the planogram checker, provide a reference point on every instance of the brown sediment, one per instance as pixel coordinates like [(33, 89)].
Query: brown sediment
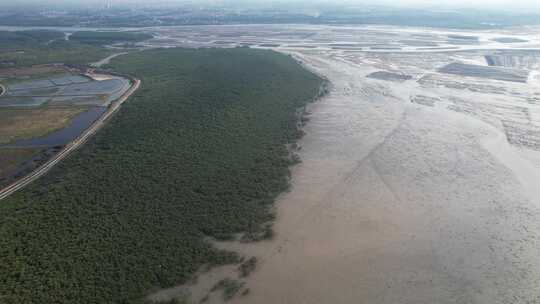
[(403, 202), (396, 204)]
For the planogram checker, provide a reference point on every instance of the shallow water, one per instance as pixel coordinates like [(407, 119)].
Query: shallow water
[(62, 137), (399, 203), (408, 192)]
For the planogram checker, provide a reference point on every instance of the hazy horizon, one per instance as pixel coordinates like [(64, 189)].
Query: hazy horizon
[(503, 5)]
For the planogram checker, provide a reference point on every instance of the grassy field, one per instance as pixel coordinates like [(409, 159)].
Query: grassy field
[(17, 123), (198, 152)]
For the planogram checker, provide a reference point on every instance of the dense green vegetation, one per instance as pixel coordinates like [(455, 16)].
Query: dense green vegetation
[(15, 54), (198, 152), (11, 39), (102, 38), (14, 40), (24, 48)]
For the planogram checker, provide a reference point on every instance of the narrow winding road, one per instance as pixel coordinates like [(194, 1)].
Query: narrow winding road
[(106, 60), (69, 148)]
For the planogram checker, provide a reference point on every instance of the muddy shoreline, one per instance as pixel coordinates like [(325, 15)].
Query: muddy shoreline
[(420, 190)]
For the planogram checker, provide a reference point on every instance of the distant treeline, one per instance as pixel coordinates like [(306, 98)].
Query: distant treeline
[(24, 48), (330, 13), (14, 39), (103, 38), (199, 151), (33, 38)]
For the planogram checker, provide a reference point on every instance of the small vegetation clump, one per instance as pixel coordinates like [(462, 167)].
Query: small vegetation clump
[(247, 267), (205, 299), (260, 233), (172, 301), (200, 151), (229, 287)]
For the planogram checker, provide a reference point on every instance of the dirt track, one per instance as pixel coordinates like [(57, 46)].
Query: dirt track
[(107, 60)]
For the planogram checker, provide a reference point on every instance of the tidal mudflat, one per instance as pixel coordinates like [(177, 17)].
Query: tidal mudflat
[(422, 190)]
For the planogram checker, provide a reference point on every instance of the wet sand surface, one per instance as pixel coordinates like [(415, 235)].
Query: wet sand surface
[(399, 204), (422, 191)]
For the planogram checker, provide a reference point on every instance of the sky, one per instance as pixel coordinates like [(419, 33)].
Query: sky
[(431, 3), (489, 4), (508, 5), (501, 4)]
